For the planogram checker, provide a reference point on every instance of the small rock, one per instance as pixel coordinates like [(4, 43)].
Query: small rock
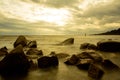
[(84, 63), (95, 72), (72, 60), (32, 44), (109, 65), (3, 51), (68, 41), (34, 51), (90, 55), (47, 61), (88, 46), (20, 40), (62, 55)]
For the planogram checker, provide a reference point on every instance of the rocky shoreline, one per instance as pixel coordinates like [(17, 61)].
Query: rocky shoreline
[(20, 61)]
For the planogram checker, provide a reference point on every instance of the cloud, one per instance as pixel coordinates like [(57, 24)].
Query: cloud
[(58, 3), (58, 16)]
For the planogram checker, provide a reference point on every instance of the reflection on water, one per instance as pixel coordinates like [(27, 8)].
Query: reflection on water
[(62, 72)]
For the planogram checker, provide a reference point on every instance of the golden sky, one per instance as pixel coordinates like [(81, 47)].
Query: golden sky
[(39, 17)]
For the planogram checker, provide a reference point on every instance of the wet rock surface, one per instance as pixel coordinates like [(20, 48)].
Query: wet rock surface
[(72, 60), (68, 41), (88, 46), (109, 46), (47, 61), (15, 62), (3, 51), (20, 40), (95, 72), (32, 44), (34, 51)]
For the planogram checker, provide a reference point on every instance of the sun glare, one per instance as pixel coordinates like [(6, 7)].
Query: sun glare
[(52, 15)]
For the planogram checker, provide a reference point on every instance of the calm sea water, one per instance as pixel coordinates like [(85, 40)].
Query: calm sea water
[(63, 72)]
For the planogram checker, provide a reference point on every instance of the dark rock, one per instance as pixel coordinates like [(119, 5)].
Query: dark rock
[(109, 46), (15, 62), (90, 55), (32, 44), (20, 40), (95, 56), (47, 61), (59, 55), (68, 41), (72, 60), (34, 51), (84, 63), (109, 65), (95, 72), (84, 55), (88, 46), (53, 53), (3, 51)]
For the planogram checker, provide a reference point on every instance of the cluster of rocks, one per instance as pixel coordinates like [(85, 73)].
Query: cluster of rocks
[(107, 46), (93, 62), (18, 61)]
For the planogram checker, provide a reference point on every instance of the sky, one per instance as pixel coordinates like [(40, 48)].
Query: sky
[(58, 17)]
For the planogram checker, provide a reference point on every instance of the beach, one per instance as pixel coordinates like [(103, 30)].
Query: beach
[(47, 43)]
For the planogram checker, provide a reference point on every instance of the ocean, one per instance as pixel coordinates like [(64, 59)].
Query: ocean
[(46, 43)]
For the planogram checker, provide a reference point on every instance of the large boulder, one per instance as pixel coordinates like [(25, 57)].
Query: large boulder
[(32, 44), (88, 46), (20, 40), (47, 61), (15, 62), (68, 41), (109, 46), (34, 51), (3, 51)]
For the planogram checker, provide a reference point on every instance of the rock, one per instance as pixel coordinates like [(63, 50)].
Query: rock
[(109, 65), (72, 60), (15, 62), (32, 44), (3, 51), (47, 61), (90, 55), (96, 57), (109, 46), (88, 46), (20, 40), (68, 41), (84, 63), (84, 55), (62, 55), (59, 55), (34, 51), (95, 72)]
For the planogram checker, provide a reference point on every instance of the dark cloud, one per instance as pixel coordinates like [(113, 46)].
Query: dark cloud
[(57, 3), (103, 9)]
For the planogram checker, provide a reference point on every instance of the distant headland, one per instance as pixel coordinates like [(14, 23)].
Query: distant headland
[(112, 32)]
